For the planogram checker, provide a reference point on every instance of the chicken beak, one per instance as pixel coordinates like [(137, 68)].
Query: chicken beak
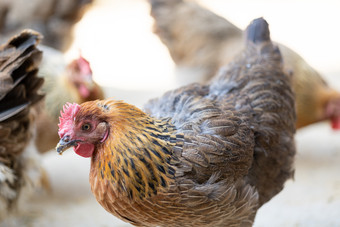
[(65, 143)]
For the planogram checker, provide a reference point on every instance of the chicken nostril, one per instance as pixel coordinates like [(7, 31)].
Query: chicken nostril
[(66, 138)]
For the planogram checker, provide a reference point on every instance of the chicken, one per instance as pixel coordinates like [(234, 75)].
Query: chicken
[(54, 19), (202, 41), (201, 155), (315, 100), (63, 83), (19, 85), (195, 37)]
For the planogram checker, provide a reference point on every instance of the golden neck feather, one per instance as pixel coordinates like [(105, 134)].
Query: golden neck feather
[(136, 159)]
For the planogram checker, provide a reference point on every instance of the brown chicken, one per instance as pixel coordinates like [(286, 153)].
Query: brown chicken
[(201, 155), (54, 19), (63, 83), (202, 41), (19, 85)]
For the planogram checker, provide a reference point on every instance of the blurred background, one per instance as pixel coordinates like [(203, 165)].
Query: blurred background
[(117, 38), (130, 62)]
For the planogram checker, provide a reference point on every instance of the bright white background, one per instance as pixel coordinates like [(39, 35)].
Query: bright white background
[(116, 37)]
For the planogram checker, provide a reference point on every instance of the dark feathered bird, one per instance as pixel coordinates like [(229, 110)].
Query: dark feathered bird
[(19, 85), (201, 155)]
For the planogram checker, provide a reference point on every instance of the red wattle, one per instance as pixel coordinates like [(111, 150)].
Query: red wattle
[(84, 149)]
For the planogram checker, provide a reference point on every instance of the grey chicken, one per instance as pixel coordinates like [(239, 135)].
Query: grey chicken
[(201, 155)]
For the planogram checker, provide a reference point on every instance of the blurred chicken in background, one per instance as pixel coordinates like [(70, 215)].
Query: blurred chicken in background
[(54, 19), (20, 166), (64, 82), (201, 41)]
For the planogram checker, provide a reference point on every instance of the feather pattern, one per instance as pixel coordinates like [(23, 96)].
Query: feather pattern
[(19, 84)]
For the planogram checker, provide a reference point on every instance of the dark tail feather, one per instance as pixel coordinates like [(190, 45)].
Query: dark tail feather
[(19, 84), (258, 31)]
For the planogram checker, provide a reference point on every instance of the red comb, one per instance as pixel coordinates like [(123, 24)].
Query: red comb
[(67, 116)]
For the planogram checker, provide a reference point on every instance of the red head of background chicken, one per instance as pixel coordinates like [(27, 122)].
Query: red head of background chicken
[(81, 75)]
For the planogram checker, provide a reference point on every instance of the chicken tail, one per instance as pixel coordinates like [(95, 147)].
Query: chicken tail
[(19, 90), (258, 31), (19, 84), (257, 34)]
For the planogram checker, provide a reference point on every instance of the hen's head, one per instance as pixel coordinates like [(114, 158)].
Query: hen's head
[(80, 74), (82, 128)]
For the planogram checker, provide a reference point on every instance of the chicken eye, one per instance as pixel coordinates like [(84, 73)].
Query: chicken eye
[(86, 127)]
